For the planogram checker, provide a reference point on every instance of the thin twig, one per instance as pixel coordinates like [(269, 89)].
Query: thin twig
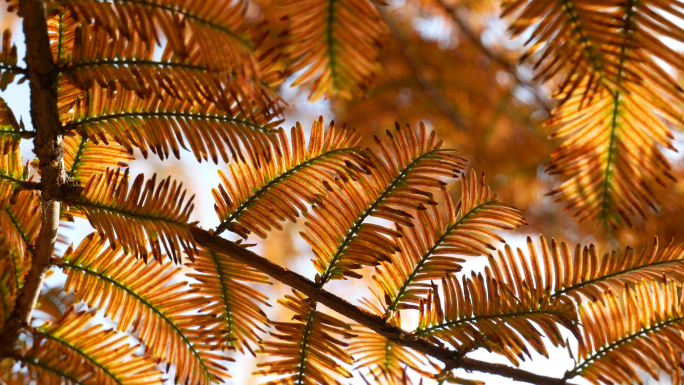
[(15, 69), (393, 333), (24, 186), (510, 67), (428, 87), (42, 78)]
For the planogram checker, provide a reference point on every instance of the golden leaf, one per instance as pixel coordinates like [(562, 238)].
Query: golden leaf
[(481, 312), (429, 248), (269, 188), (235, 303), (615, 97), (21, 222), (83, 158), (158, 216), (401, 179), (310, 346), (385, 361), (71, 350), (584, 272), (162, 311), (336, 43), (637, 331)]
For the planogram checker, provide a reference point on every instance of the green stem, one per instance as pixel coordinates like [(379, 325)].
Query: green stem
[(574, 19), (308, 329), (77, 157), (4, 292), (614, 125), (83, 354), (81, 205), (426, 256), (357, 226), (11, 179), (41, 365), (259, 193), (609, 276), (608, 172), (331, 41), (162, 114), (605, 350), (132, 62), (224, 294), (15, 267), (60, 38), (444, 325), (16, 224), (142, 300), (12, 133)]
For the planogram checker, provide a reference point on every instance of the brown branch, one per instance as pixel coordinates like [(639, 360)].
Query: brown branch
[(393, 333), (42, 78), (23, 186)]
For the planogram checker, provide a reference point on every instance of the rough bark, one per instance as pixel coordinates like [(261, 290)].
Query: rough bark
[(42, 76), (369, 320)]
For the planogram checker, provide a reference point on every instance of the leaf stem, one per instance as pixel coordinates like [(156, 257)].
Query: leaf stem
[(605, 350), (427, 255), (144, 301), (256, 195), (357, 226), (379, 325), (164, 114)]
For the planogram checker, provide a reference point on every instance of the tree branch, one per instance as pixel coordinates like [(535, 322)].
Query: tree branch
[(393, 333), (23, 186), (48, 147)]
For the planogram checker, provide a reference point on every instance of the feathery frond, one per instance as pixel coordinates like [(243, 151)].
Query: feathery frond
[(159, 124), (140, 216), (400, 180), (171, 97), (95, 57), (615, 97), (385, 361), (216, 30), (237, 306), (602, 42), (480, 312), (336, 43), (69, 344), (428, 249), (50, 368), (162, 311), (585, 272), (310, 346), (640, 330), (269, 188), (21, 222), (83, 158), (611, 154)]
